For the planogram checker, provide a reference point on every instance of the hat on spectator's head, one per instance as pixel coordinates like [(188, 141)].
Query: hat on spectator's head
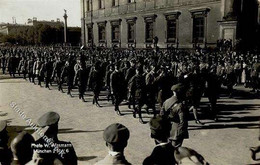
[(116, 133), (49, 118), (160, 127)]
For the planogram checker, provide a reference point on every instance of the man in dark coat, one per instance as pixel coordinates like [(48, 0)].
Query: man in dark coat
[(151, 86), (174, 110), (129, 74), (47, 69), (82, 79), (68, 71), (30, 64), (137, 88), (163, 153), (57, 70), (95, 82), (118, 87), (12, 65)]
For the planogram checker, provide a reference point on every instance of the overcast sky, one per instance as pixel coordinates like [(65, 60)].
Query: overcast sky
[(42, 9)]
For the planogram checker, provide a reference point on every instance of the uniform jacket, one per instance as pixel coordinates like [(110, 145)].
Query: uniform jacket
[(176, 114)]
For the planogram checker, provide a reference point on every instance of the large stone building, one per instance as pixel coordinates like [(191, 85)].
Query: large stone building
[(177, 23)]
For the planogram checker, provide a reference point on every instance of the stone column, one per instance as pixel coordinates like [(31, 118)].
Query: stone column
[(65, 26)]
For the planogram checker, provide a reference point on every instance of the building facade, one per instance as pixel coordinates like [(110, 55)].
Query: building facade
[(166, 23)]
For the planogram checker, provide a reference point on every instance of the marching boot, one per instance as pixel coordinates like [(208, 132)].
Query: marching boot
[(140, 117), (98, 105), (117, 110), (68, 93), (83, 99), (198, 122), (93, 101), (134, 113)]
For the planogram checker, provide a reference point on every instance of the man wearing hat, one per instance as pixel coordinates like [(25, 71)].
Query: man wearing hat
[(137, 87), (174, 110), (163, 153), (21, 148), (118, 87), (116, 136), (131, 71), (56, 149), (5, 153)]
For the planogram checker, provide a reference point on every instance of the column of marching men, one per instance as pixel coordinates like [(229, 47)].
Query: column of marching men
[(168, 83), (140, 77)]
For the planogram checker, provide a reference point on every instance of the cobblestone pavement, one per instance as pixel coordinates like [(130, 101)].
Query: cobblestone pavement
[(226, 142)]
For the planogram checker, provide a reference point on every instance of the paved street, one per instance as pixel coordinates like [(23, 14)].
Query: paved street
[(226, 142)]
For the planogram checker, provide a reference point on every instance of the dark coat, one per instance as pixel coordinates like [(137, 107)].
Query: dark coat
[(95, 80), (5, 155), (161, 155), (68, 158), (117, 82), (137, 87)]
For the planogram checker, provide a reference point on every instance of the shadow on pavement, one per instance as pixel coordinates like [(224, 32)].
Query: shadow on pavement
[(70, 130), (223, 126), (86, 158)]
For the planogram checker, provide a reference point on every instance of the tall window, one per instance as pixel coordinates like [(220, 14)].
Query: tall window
[(115, 33), (149, 25), (102, 32), (101, 4), (131, 1), (172, 26), (149, 31), (198, 29), (115, 30), (131, 32), (171, 30)]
